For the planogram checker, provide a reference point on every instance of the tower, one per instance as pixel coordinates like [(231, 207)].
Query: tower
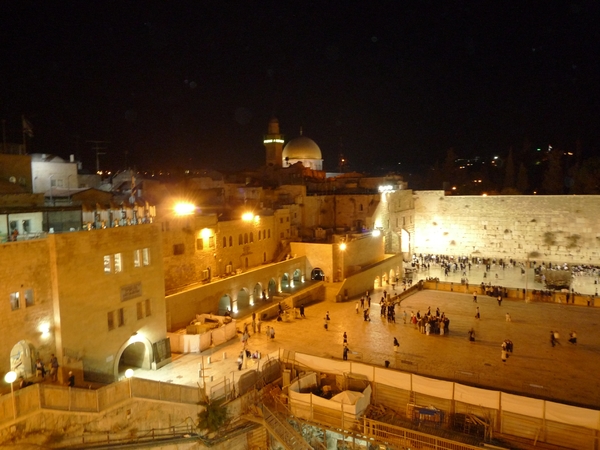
[(273, 142)]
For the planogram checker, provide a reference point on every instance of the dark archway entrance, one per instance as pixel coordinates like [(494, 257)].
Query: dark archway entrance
[(133, 357), (224, 305), (317, 274), (272, 288), (285, 281)]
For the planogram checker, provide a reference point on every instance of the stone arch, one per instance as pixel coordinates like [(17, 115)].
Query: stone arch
[(136, 352), (285, 281), (317, 274), (257, 292), (272, 288), (297, 276), (377, 282), (242, 301), (22, 359), (225, 304)]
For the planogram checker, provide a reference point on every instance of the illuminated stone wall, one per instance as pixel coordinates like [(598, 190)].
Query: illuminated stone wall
[(545, 228)]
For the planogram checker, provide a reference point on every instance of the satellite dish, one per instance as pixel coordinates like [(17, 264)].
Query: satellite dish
[(13, 179)]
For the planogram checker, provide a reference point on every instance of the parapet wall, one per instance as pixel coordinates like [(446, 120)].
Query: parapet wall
[(549, 228)]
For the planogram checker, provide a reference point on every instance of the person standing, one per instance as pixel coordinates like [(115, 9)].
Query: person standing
[(404, 316), (471, 335), (71, 380), (53, 367), (499, 300), (302, 312), (259, 325), (477, 315), (345, 354), (552, 338), (474, 296), (272, 333), (503, 354), (356, 307), (325, 324), (573, 337), (396, 345), (40, 371)]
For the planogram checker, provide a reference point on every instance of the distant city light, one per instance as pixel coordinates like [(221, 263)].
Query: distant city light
[(184, 209), (343, 246), (248, 216), (495, 157), (386, 188), (270, 141)]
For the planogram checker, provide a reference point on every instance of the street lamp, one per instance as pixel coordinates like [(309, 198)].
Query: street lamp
[(10, 377)]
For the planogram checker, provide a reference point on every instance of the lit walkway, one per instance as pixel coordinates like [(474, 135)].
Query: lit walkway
[(566, 372)]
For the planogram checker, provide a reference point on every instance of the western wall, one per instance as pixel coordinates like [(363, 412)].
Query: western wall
[(549, 228)]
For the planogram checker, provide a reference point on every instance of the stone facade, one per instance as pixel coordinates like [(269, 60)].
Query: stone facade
[(544, 228)]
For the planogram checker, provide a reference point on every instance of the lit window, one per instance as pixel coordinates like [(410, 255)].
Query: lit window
[(137, 258), (120, 317), (148, 308), (111, 320), (107, 264), (118, 263), (146, 256), (140, 310), (14, 301), (29, 298)]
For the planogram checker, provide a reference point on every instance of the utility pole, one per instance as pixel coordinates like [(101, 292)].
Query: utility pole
[(97, 146)]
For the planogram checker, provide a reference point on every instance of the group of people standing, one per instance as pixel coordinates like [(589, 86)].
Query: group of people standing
[(431, 323)]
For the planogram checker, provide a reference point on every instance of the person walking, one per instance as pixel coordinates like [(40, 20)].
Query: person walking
[(356, 307), (302, 312), (471, 335), (325, 323), (477, 315), (499, 300), (396, 345), (474, 296), (53, 367), (552, 339)]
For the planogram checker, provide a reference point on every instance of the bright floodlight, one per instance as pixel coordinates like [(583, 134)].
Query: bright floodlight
[(376, 233), (343, 246), (184, 209), (10, 377), (247, 216), (128, 373)]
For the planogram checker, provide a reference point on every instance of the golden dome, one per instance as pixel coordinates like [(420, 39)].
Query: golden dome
[(301, 148)]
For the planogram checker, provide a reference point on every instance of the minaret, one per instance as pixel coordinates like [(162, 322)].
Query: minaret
[(273, 142)]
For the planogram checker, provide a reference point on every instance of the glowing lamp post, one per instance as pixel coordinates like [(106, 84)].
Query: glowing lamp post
[(10, 377)]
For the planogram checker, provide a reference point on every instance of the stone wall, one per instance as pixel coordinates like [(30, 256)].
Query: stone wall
[(543, 228)]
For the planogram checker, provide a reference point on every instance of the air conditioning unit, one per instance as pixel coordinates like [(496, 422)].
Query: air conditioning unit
[(228, 268)]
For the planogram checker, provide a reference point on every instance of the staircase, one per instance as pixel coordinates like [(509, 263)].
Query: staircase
[(280, 428)]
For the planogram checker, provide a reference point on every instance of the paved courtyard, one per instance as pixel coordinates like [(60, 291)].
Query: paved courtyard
[(566, 373)]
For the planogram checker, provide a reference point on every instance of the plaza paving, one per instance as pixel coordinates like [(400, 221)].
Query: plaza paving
[(566, 373)]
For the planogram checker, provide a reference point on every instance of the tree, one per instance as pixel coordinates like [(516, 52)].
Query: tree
[(522, 182), (553, 183), (509, 173), (213, 417)]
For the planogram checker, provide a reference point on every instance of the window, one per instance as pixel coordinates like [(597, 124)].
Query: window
[(269, 234), (14, 301), (148, 307), (199, 244), (251, 237), (287, 219), (240, 240), (118, 263), (281, 220), (360, 207), (137, 258), (120, 317), (146, 256), (231, 241), (107, 264), (224, 242), (178, 249), (111, 320), (29, 298), (26, 226), (140, 310), (259, 234)]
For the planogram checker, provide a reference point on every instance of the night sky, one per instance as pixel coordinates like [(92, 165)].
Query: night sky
[(194, 84)]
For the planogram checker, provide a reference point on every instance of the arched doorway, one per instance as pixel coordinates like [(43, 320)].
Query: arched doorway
[(242, 301), (257, 293), (136, 353), (377, 283), (384, 280), (272, 288), (297, 276), (225, 305), (285, 281), (317, 274), (22, 358)]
